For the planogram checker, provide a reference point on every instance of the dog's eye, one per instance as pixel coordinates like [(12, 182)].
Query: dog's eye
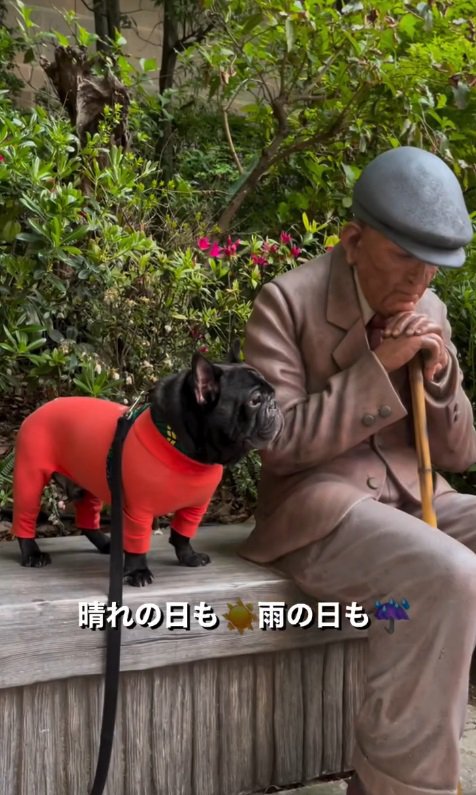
[(254, 401)]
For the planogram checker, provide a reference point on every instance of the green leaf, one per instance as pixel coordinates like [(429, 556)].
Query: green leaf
[(148, 64), (26, 13), (9, 336), (28, 237), (9, 231), (85, 38), (55, 335), (251, 23), (289, 25), (36, 344), (61, 38), (428, 21), (461, 95), (352, 173), (352, 8), (407, 25), (237, 185)]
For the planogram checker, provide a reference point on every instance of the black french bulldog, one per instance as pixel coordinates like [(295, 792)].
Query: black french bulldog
[(218, 413)]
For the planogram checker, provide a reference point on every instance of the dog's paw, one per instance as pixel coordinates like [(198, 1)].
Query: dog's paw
[(100, 540), (31, 555), (36, 561), (138, 577), (192, 558)]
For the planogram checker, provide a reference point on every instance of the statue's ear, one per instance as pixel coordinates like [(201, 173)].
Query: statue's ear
[(206, 378), (234, 354)]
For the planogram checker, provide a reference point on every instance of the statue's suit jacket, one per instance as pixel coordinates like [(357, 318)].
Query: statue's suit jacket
[(348, 423)]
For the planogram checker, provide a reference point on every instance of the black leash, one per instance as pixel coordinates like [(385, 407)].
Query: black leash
[(113, 634)]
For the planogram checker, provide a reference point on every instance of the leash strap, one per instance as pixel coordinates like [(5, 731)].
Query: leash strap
[(113, 634)]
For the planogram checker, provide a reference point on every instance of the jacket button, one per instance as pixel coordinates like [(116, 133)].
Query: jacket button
[(372, 483), (368, 419), (385, 411)]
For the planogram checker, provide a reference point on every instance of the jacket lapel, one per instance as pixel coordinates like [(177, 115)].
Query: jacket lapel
[(343, 311)]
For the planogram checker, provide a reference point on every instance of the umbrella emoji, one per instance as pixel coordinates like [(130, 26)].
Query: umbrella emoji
[(392, 611)]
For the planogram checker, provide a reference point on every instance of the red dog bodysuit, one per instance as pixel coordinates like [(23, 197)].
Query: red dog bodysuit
[(73, 435)]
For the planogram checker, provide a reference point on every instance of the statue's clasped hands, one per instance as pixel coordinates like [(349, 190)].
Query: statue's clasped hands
[(407, 333)]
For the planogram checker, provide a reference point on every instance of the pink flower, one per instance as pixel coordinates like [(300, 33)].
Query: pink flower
[(203, 243), (2, 159), (195, 333), (295, 251), (215, 250), (270, 248), (257, 260), (230, 248), (203, 349), (285, 238)]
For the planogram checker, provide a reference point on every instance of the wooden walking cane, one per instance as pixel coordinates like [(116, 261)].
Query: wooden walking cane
[(422, 441), (423, 449)]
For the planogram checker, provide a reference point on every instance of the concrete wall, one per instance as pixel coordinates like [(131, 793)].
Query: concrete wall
[(143, 40)]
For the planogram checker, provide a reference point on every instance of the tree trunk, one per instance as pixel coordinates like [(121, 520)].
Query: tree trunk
[(107, 19), (164, 148), (268, 156), (169, 42), (113, 18), (100, 23), (85, 95)]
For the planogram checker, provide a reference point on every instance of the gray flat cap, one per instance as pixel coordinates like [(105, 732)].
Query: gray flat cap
[(413, 198)]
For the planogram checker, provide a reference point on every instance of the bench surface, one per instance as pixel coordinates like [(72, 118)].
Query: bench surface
[(39, 609)]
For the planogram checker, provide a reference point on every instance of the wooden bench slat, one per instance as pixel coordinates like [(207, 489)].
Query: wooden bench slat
[(313, 674), (39, 616)]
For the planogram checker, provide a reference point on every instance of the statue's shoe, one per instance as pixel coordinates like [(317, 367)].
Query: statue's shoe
[(355, 787)]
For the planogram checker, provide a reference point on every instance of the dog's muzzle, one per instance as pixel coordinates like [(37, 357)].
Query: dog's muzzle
[(270, 423)]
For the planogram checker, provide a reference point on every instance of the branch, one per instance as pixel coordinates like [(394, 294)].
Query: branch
[(149, 40), (268, 156), (278, 107), (230, 142), (239, 47), (195, 37), (321, 71), (321, 137), (274, 154)]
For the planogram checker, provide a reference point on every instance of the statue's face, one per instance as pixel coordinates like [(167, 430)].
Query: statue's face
[(391, 279)]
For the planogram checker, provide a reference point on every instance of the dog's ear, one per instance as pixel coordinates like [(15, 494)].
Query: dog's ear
[(206, 378), (234, 354)]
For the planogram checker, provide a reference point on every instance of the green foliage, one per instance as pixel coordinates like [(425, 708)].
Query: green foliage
[(103, 283), (90, 301), (6, 474), (327, 90), (11, 44)]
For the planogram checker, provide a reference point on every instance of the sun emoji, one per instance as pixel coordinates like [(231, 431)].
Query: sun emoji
[(240, 616)]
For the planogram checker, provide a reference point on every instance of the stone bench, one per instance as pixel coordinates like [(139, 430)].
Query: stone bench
[(201, 712)]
